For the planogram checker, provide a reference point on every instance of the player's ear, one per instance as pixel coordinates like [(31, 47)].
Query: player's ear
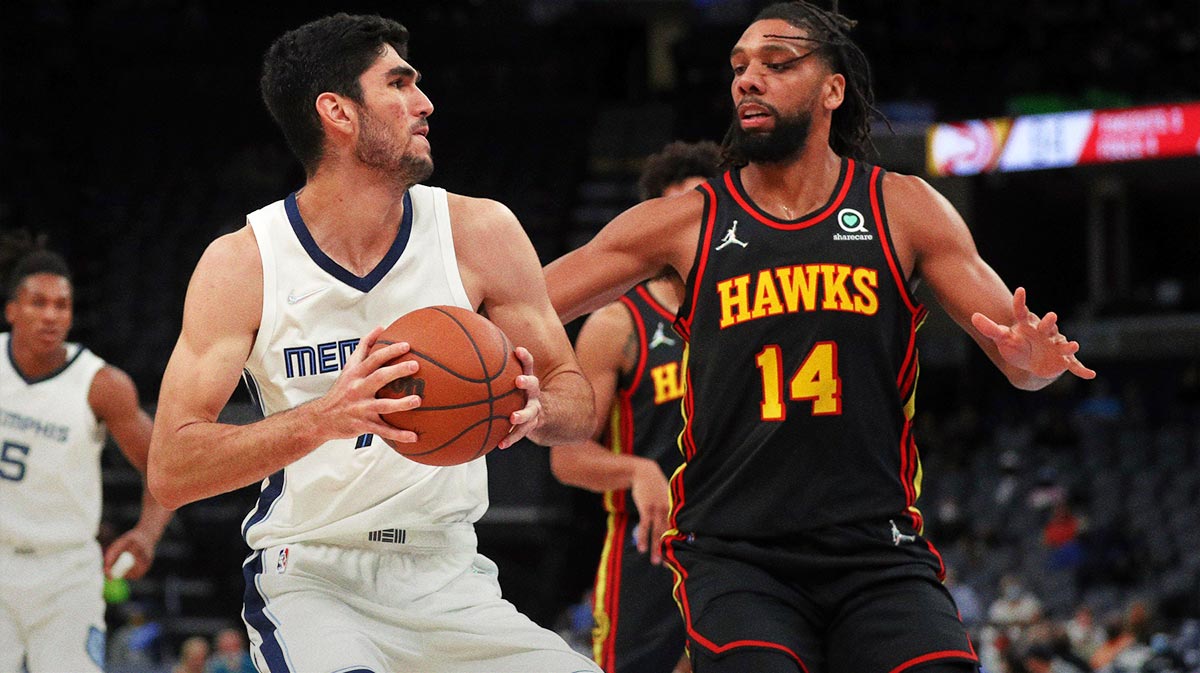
[(336, 113), (835, 91)]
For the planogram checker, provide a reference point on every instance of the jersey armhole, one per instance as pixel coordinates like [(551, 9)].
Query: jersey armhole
[(691, 286), (628, 382), (885, 240), (441, 213), (270, 314)]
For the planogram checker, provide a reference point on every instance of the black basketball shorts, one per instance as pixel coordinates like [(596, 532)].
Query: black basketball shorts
[(847, 599)]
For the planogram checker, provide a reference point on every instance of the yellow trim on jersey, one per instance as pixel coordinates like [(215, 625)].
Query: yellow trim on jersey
[(614, 445), (910, 410), (603, 624)]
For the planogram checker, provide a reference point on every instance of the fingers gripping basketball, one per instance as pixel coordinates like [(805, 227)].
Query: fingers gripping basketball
[(466, 381)]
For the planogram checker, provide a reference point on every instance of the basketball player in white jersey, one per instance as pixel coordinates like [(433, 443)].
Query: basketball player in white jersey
[(361, 559), (57, 400)]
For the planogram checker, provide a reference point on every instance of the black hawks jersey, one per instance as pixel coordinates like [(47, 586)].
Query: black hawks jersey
[(801, 367), (645, 418)]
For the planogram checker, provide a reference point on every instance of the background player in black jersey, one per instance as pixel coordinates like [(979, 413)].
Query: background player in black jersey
[(796, 539), (634, 361)]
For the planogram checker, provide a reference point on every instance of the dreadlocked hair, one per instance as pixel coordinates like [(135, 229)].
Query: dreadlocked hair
[(850, 129), (22, 255)]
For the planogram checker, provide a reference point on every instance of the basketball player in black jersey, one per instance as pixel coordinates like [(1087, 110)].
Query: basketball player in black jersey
[(633, 359), (796, 539)]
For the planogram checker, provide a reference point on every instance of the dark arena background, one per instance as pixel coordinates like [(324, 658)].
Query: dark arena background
[(132, 133)]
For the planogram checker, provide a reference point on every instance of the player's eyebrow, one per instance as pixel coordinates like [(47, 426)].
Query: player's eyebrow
[(404, 71), (766, 48)]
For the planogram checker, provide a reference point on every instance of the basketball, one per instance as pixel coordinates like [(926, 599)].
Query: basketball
[(466, 381)]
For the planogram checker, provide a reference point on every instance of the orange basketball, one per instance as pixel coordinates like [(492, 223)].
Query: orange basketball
[(466, 381)]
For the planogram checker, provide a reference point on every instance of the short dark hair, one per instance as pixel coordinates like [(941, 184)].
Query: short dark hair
[(23, 255), (676, 162), (328, 54), (850, 131)]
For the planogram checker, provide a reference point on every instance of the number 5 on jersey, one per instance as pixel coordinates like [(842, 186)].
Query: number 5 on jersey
[(816, 380)]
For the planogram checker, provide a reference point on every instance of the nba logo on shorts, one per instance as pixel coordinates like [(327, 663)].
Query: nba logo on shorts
[(281, 562)]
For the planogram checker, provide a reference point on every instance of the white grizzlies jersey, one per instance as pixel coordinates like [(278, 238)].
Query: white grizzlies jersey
[(50, 442), (314, 313)]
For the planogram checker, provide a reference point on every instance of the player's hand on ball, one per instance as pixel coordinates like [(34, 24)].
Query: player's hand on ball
[(350, 408), (528, 419)]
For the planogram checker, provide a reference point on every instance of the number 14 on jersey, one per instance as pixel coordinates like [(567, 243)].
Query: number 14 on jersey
[(816, 380)]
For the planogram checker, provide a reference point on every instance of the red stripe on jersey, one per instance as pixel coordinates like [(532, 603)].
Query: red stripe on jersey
[(885, 239), (640, 327), (934, 656), (685, 607), (904, 458), (654, 304), (687, 443), (790, 226), (689, 410), (683, 323), (941, 564)]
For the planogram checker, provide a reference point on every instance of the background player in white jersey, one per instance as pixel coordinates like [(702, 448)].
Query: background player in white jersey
[(56, 401), (362, 560), (638, 625)]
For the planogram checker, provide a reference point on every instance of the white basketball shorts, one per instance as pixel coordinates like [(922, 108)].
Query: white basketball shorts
[(52, 610), (393, 600)]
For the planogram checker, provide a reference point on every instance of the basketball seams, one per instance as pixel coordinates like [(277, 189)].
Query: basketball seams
[(491, 402), (453, 439), (470, 340), (444, 353)]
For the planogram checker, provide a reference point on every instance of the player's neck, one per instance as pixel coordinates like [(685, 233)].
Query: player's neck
[(33, 362), (793, 188), (355, 223)]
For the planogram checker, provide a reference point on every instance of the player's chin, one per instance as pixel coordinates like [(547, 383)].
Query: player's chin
[(418, 166)]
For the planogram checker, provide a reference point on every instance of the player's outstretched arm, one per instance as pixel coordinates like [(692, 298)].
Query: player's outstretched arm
[(650, 238), (606, 346), (1032, 344), (501, 273), (1029, 350), (114, 399), (191, 455)]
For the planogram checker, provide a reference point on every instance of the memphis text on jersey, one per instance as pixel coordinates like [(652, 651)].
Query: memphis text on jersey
[(320, 359), (800, 287), (47, 429)]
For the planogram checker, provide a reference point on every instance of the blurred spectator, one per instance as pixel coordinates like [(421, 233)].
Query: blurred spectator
[(193, 656), (231, 655), (1014, 607), (949, 521), (1047, 491), (1117, 638), (1010, 470), (1041, 658), (134, 646), (1085, 635), (1061, 537), (970, 608), (1164, 658), (1063, 527)]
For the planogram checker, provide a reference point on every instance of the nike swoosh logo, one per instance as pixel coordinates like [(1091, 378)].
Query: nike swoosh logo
[(294, 298)]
